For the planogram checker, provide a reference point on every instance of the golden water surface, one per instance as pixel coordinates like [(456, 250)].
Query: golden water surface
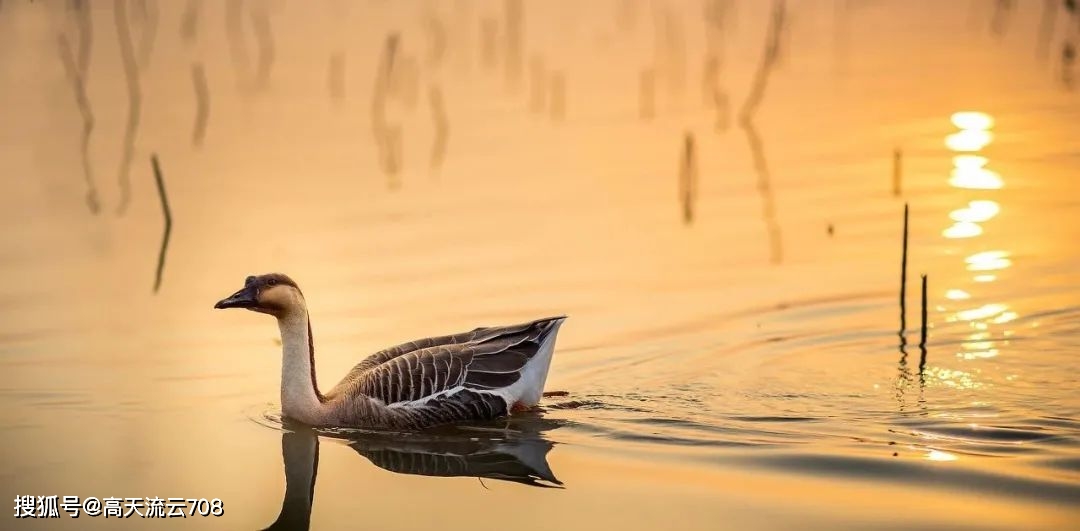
[(712, 191)]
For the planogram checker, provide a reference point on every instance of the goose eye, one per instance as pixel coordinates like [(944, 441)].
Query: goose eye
[(271, 282)]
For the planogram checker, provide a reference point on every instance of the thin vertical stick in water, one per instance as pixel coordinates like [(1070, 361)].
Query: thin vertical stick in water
[(202, 104), (896, 172), (688, 179), (647, 94), (168, 220), (264, 38), (757, 150), (515, 27), (903, 279), (922, 336), (558, 95), (131, 74), (335, 79), (442, 127), (537, 84), (77, 85)]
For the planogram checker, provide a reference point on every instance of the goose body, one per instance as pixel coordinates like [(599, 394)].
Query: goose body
[(477, 375)]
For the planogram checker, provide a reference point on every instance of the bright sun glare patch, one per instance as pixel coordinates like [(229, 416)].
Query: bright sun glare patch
[(980, 354), (938, 455), (975, 179), (972, 120), (962, 229), (988, 261), (969, 140), (976, 211), (982, 312), (969, 162), (1005, 317), (957, 295)]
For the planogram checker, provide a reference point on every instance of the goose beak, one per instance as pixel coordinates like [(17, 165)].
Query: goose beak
[(248, 297)]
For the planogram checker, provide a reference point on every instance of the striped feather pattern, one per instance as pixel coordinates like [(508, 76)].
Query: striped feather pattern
[(439, 380)]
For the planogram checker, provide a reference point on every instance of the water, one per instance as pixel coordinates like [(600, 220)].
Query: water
[(738, 367)]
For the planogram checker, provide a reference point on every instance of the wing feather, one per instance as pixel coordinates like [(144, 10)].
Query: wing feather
[(483, 359)]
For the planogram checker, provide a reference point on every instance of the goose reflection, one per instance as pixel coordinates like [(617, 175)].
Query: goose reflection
[(508, 451)]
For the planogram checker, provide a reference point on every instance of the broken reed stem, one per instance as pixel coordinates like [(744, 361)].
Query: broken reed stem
[(202, 103), (922, 337), (168, 220), (897, 174), (688, 178), (335, 77), (903, 275)]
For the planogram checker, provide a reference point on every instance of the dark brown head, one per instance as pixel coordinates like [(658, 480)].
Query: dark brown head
[(274, 293)]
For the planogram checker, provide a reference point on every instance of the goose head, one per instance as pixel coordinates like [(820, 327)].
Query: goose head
[(274, 294)]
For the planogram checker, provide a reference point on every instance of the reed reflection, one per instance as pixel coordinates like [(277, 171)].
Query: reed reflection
[(746, 120), (512, 450), (78, 85), (134, 111)]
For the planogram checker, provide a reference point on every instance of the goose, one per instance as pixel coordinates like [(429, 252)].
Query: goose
[(479, 375)]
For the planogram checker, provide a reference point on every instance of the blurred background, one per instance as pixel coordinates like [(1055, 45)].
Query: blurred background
[(713, 191)]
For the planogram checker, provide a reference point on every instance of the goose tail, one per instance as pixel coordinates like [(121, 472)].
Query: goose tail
[(534, 374)]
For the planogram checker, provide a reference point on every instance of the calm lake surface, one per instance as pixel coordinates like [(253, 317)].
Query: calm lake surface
[(731, 357)]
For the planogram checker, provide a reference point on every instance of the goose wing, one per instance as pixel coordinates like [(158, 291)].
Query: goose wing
[(483, 360)]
